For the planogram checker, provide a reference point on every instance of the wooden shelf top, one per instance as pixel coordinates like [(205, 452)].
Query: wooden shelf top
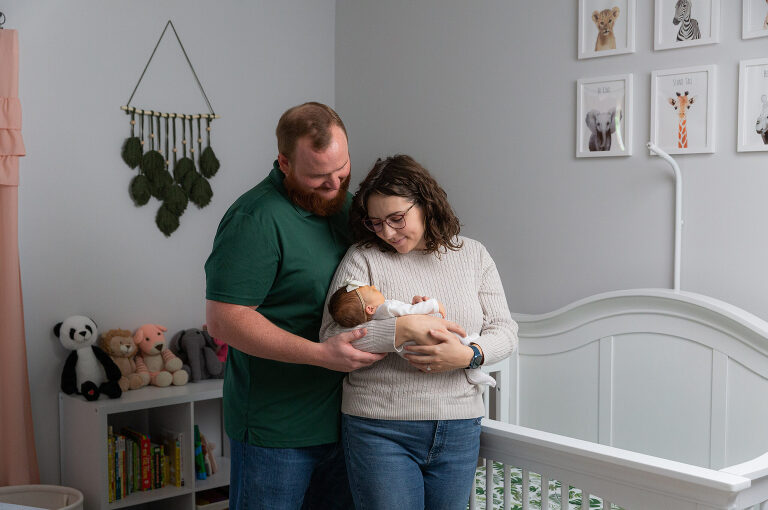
[(150, 396)]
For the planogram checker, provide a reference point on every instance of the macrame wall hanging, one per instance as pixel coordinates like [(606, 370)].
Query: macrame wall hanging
[(152, 148)]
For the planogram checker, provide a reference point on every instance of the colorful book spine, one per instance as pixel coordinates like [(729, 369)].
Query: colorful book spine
[(199, 459), (136, 467), (118, 470), (123, 464), (173, 443), (128, 465), (110, 466), (180, 449), (155, 466), (176, 476), (166, 469), (145, 454)]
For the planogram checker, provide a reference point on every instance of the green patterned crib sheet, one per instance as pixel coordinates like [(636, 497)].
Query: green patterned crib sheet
[(534, 494)]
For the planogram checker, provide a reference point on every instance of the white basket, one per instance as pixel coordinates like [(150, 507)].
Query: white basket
[(52, 497)]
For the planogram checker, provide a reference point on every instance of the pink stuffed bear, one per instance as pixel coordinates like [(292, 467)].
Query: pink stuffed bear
[(154, 363)]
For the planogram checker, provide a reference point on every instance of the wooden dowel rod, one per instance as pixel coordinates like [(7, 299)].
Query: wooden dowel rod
[(131, 109)]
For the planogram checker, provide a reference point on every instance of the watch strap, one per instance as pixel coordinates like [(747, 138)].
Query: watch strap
[(477, 358)]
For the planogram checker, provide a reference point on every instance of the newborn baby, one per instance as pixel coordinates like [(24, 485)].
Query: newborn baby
[(355, 303)]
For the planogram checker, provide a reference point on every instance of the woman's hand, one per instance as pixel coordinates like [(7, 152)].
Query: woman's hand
[(417, 328), (447, 354)]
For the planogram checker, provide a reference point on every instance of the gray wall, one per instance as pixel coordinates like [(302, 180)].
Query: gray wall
[(85, 248), (483, 93)]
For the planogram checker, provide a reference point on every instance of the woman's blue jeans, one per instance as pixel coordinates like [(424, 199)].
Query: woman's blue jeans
[(404, 465), (309, 478)]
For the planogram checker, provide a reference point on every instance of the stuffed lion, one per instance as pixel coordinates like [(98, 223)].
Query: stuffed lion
[(119, 344)]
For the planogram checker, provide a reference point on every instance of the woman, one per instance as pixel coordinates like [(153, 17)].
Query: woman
[(411, 427)]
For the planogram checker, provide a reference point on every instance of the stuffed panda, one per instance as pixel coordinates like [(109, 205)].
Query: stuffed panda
[(88, 371)]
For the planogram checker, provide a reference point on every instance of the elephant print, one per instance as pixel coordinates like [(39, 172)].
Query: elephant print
[(762, 120), (602, 125)]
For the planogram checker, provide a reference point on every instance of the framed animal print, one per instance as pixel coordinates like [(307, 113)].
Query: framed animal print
[(754, 19), (604, 116), (683, 109), (753, 105), (682, 23), (606, 27)]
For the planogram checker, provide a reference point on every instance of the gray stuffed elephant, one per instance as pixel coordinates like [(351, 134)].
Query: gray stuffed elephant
[(602, 126), (197, 351)]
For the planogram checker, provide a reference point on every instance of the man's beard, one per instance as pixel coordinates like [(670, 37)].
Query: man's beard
[(312, 201)]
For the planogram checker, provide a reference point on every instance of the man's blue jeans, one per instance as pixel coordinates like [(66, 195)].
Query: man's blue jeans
[(404, 465), (309, 478)]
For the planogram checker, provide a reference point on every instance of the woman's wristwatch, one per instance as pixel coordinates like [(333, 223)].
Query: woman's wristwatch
[(477, 357)]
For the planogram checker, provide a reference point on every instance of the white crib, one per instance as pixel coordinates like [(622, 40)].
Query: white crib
[(645, 399)]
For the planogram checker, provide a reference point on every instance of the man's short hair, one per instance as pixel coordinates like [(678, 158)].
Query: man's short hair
[(309, 119), (346, 308)]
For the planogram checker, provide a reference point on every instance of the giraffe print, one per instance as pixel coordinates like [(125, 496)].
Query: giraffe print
[(682, 103)]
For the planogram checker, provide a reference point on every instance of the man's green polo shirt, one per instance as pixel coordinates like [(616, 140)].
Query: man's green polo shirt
[(270, 253)]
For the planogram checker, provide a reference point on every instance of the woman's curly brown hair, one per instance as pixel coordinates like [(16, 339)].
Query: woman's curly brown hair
[(402, 176)]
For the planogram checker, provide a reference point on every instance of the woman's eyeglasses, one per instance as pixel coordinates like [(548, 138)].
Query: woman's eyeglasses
[(396, 221)]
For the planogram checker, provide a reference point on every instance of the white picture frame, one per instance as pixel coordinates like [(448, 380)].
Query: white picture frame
[(604, 116), (619, 36), (667, 28), (754, 19), (683, 109), (753, 105)]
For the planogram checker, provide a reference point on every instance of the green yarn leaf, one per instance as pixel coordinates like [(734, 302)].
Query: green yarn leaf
[(152, 173), (201, 192), (166, 221), (176, 200), (132, 151), (183, 167), (160, 183), (139, 190), (209, 164), (189, 181), (152, 161)]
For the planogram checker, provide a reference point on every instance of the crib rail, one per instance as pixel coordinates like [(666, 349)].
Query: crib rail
[(550, 468), (755, 470)]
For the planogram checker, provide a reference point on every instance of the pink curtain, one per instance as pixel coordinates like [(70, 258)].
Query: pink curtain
[(18, 458)]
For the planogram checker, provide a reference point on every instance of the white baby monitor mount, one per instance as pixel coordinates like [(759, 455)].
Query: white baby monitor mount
[(678, 206)]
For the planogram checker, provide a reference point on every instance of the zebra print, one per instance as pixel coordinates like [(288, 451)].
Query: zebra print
[(689, 28)]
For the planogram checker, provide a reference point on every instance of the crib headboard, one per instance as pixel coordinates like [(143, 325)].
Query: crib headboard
[(672, 374)]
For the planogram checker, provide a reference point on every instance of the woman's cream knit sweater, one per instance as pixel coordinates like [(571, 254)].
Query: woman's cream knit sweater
[(467, 283)]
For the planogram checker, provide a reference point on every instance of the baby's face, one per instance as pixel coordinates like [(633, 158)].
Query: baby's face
[(371, 296)]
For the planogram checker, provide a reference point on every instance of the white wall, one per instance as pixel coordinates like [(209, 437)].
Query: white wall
[(85, 248), (483, 93)]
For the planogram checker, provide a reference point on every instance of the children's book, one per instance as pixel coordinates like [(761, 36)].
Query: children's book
[(145, 456), (110, 465)]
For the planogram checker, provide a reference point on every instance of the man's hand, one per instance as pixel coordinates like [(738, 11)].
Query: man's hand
[(417, 328), (341, 356)]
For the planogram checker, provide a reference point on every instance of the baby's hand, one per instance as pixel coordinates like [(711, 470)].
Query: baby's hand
[(419, 299)]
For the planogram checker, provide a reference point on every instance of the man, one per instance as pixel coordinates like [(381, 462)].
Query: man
[(274, 255)]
